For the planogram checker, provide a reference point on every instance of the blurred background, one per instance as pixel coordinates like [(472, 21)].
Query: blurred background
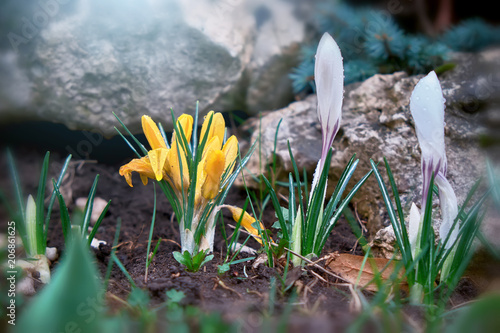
[(67, 65)]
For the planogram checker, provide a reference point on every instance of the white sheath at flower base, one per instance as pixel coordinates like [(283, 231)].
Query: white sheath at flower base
[(329, 80), (414, 229), (449, 210), (427, 108)]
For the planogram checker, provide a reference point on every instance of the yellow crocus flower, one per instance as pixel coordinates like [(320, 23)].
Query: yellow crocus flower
[(217, 159)]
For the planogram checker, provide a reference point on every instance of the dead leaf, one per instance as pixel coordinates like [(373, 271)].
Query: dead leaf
[(349, 266)]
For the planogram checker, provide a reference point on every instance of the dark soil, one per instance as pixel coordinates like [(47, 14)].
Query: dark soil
[(241, 295)]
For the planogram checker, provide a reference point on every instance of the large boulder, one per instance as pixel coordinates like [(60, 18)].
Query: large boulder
[(76, 63), (377, 123)]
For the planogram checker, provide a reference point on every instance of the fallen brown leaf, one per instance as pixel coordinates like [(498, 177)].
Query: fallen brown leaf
[(349, 266)]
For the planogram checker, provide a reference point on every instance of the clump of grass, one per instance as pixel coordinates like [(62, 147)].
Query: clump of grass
[(33, 219), (432, 270)]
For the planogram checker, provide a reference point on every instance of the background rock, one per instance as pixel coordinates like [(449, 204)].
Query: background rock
[(377, 123), (75, 63)]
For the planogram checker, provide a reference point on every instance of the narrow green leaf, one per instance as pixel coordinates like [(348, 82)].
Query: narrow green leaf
[(89, 207), (95, 228), (341, 185), (315, 210), (17, 185), (397, 200), (123, 269), (128, 143), (299, 189), (113, 250), (65, 219), (53, 196), (144, 150), (150, 260), (277, 208), (151, 228), (40, 207), (405, 251), (21, 204)]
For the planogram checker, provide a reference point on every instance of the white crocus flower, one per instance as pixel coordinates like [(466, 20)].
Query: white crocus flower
[(329, 79), (427, 108)]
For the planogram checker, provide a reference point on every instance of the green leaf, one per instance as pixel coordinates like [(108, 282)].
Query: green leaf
[(40, 208), (284, 212), (277, 208), (53, 196), (71, 302), (181, 258), (65, 219), (138, 298), (221, 269), (97, 224), (19, 194), (175, 296), (89, 207), (144, 150)]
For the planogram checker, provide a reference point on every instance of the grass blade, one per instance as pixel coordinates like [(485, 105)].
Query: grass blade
[(65, 219), (89, 206), (53, 196), (98, 223), (405, 251), (277, 208), (21, 227), (151, 229), (144, 150), (113, 250), (41, 234)]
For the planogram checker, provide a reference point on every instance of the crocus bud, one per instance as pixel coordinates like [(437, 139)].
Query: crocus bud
[(427, 109), (329, 79)]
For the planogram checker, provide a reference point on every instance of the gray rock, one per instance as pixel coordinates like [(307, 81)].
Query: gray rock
[(377, 123), (89, 59)]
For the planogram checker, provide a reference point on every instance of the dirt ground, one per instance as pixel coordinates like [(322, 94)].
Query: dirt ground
[(241, 294)]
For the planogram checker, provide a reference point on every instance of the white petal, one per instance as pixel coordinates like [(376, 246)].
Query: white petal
[(449, 210), (427, 109), (329, 79), (414, 227)]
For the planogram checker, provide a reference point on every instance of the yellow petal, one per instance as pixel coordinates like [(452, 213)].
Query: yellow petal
[(217, 127), (142, 166), (157, 158), (214, 167), (201, 175), (212, 145), (246, 221), (177, 161), (230, 150), (184, 124), (152, 133)]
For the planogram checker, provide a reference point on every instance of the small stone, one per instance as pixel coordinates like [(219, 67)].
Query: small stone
[(97, 208), (51, 253)]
